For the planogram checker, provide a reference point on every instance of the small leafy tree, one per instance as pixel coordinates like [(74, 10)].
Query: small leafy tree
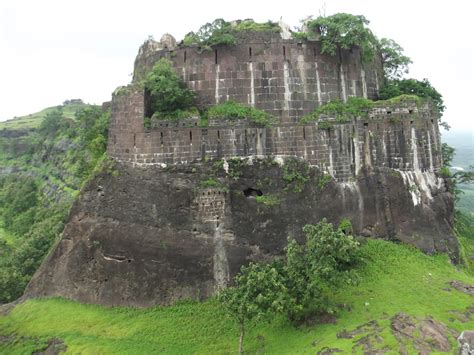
[(343, 31), (298, 286), (168, 93), (259, 290), (394, 62), (315, 268)]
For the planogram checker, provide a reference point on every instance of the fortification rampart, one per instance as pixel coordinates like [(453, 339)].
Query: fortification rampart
[(286, 78), (403, 137)]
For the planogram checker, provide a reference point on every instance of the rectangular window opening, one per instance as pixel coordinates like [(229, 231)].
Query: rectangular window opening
[(184, 59), (215, 56)]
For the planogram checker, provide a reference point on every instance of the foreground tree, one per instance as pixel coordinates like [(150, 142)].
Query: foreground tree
[(317, 267), (259, 290), (299, 285)]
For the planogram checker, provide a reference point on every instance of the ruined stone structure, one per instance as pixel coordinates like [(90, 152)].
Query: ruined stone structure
[(284, 77), (178, 216)]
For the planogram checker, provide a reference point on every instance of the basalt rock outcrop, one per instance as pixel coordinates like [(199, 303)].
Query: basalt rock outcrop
[(186, 206)]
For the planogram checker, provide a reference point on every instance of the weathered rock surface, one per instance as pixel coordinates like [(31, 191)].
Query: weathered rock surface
[(466, 343), (462, 287), (426, 335), (146, 236)]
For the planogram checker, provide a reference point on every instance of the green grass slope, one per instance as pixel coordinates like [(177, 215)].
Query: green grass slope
[(395, 278), (34, 120)]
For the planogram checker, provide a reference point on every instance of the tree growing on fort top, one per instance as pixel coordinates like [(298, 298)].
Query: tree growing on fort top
[(394, 62), (168, 93), (343, 31)]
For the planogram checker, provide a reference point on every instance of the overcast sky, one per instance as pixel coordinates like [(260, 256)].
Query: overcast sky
[(52, 50)]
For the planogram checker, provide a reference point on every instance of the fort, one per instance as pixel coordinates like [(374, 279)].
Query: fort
[(288, 79), (184, 206)]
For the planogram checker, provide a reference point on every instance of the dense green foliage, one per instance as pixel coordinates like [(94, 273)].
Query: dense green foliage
[(296, 173), (419, 88), (48, 168), (341, 111), (394, 62), (317, 267), (343, 31), (232, 110), (169, 95), (299, 286), (395, 278), (221, 32)]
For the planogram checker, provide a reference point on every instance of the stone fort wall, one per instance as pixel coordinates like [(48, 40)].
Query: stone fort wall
[(398, 137), (286, 78)]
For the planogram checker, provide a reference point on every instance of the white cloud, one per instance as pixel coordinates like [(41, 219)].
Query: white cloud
[(52, 50)]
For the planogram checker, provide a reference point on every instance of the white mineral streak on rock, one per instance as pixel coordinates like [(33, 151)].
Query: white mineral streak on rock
[(357, 162), (286, 81), (384, 151), (414, 150), (430, 152), (252, 86), (364, 83), (343, 85), (331, 161), (318, 84), (217, 83), (354, 88), (302, 72), (354, 189)]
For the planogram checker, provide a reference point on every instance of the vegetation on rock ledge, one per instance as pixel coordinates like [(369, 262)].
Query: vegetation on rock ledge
[(231, 110)]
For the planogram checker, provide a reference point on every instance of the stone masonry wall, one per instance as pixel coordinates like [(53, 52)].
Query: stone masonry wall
[(396, 137), (286, 78)]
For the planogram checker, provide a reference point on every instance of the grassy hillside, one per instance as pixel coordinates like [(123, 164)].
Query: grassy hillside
[(41, 172), (396, 278), (34, 120)]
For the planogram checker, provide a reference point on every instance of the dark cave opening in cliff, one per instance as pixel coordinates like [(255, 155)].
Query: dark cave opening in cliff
[(250, 192)]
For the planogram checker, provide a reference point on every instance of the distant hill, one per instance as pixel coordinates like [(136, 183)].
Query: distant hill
[(33, 120)]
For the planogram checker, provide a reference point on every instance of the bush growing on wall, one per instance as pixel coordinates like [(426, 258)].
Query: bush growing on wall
[(168, 93)]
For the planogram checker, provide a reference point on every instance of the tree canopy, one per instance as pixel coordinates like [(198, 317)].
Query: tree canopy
[(343, 31), (394, 62)]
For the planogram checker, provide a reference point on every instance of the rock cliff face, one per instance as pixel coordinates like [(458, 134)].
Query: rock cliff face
[(142, 236)]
